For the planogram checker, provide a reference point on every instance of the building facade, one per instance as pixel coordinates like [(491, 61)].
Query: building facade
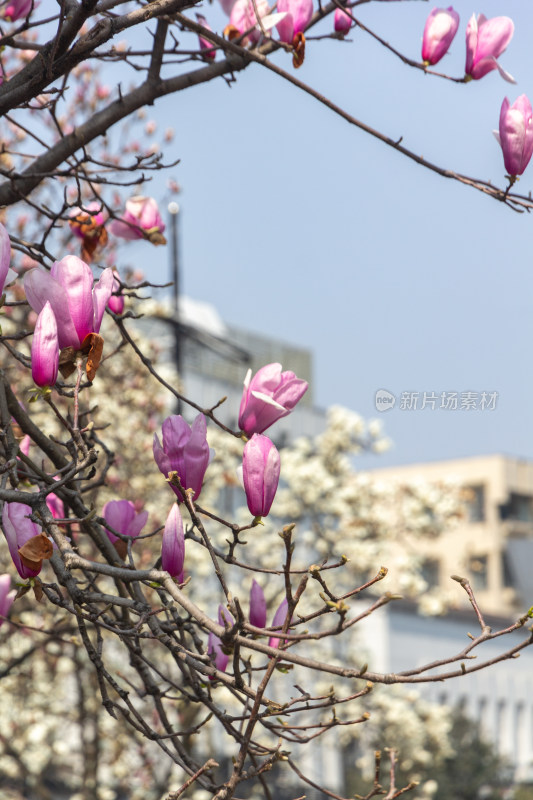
[(492, 545)]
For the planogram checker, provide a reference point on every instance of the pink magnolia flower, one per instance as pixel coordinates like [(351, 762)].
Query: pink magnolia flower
[(208, 53), (243, 17), (342, 22), (214, 644), (173, 544), (258, 609), (299, 13), (78, 306), (216, 653), (270, 395), (5, 256), (116, 300), (141, 220), (185, 451), (6, 596), (55, 504), (278, 621), (122, 517), (103, 91), (45, 348), (260, 473), (18, 530), (227, 5), (486, 39), (516, 134), (224, 617), (439, 32), (16, 9), (81, 219)]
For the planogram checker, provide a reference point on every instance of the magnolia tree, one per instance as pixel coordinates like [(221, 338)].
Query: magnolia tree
[(160, 642)]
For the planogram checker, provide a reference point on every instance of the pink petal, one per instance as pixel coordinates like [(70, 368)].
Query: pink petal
[(76, 277), (5, 256), (101, 294), (45, 348), (40, 287), (173, 543)]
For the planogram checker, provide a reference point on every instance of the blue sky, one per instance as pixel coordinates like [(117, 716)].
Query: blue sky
[(299, 226)]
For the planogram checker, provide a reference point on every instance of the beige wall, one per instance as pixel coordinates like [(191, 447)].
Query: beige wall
[(473, 545)]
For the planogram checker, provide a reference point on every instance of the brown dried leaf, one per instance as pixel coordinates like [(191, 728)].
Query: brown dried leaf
[(93, 243), (230, 33), (22, 590), (298, 50), (35, 550), (156, 237), (94, 343), (38, 589), (67, 361), (94, 236), (121, 547)]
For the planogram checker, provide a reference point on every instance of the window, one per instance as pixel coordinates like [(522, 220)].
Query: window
[(475, 503), (518, 507), (521, 747), (478, 573), (502, 727), (482, 714), (431, 571), (507, 572)]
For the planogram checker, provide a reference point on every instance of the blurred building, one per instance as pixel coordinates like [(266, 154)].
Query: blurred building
[(493, 545), (212, 359)]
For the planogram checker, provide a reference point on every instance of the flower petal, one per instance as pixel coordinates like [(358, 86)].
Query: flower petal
[(45, 348)]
